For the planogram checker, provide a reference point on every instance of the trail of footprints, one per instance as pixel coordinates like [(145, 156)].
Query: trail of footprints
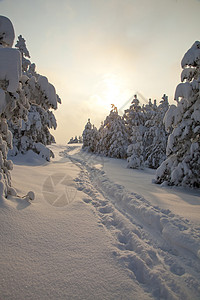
[(157, 270), (133, 250)]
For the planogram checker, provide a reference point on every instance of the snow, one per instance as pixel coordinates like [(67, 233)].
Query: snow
[(10, 67), (187, 74), (179, 201), (48, 89), (96, 230), (43, 151), (183, 90), (192, 56), (7, 34)]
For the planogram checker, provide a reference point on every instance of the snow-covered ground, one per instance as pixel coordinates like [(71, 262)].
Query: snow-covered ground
[(97, 230)]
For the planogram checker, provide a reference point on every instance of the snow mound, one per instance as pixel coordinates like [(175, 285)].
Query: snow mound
[(30, 158), (7, 34)]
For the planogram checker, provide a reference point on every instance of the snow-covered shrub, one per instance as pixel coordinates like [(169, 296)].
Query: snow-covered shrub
[(13, 101), (42, 97), (182, 166)]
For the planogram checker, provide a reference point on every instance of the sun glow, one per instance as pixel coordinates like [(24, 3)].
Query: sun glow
[(111, 89)]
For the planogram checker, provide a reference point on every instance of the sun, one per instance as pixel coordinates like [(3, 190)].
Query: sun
[(111, 89)]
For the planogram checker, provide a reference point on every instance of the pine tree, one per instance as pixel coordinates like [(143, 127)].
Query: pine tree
[(183, 147), (71, 141), (155, 136), (90, 137), (42, 97), (34, 130), (135, 122), (21, 45), (80, 139), (14, 104), (113, 138), (102, 146), (134, 116)]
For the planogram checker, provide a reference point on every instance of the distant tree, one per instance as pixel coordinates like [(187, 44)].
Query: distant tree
[(71, 141), (76, 140), (183, 147), (80, 139)]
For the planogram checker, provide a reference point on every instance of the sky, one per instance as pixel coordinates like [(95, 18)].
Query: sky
[(101, 52)]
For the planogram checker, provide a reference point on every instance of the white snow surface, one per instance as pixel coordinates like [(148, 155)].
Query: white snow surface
[(96, 230)]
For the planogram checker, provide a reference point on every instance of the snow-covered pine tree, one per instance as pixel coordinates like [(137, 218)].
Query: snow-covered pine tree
[(76, 140), (80, 139), (182, 166), (134, 116), (71, 141), (21, 45), (35, 134), (14, 104), (102, 140), (115, 138), (135, 122), (90, 137), (155, 136)]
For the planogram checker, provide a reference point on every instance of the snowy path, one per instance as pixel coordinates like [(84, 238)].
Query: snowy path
[(160, 250), (56, 250), (86, 237)]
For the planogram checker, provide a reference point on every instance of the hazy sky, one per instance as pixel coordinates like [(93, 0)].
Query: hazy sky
[(98, 52)]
